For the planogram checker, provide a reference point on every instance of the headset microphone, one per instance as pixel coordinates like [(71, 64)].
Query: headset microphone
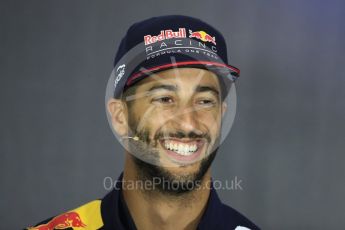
[(136, 138)]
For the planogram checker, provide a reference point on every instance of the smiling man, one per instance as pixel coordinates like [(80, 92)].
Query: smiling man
[(167, 101)]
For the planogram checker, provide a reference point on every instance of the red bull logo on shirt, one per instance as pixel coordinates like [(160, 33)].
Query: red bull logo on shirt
[(66, 220), (203, 36)]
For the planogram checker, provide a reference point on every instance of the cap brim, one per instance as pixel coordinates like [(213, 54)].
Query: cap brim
[(220, 69), (227, 73)]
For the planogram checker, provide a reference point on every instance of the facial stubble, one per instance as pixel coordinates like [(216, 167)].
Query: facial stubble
[(147, 163)]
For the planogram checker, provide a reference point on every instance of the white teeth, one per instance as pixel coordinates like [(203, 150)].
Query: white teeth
[(182, 149)]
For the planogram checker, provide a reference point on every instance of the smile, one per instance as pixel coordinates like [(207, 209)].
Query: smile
[(182, 150)]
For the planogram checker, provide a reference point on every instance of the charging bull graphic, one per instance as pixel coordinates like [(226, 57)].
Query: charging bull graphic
[(203, 36), (66, 220)]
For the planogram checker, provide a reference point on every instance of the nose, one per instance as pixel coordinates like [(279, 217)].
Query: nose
[(186, 120)]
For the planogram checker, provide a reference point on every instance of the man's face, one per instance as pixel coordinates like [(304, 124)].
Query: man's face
[(177, 116)]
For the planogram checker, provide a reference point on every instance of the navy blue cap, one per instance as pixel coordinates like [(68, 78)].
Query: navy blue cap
[(165, 42)]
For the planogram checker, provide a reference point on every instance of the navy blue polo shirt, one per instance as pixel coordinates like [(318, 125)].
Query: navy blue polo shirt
[(111, 213)]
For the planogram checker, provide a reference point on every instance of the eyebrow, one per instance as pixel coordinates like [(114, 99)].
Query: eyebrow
[(166, 87), (198, 89), (201, 89)]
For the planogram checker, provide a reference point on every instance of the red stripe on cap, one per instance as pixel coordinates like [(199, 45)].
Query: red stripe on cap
[(140, 73)]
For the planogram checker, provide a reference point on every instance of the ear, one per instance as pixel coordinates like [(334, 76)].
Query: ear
[(118, 113), (224, 108)]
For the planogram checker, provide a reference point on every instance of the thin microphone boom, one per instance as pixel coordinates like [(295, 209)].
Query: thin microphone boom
[(136, 138)]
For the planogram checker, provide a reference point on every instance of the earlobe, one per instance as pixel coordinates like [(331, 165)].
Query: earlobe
[(118, 115)]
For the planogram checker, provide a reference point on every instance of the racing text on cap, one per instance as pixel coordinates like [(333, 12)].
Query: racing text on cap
[(156, 45)]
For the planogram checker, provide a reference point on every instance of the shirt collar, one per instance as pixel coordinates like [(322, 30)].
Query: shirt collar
[(116, 215)]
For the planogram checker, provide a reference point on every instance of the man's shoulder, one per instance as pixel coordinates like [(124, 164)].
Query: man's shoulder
[(87, 216), (229, 214)]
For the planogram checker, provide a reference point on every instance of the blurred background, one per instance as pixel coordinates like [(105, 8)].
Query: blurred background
[(288, 139)]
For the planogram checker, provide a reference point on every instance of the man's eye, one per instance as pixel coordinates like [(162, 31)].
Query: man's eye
[(163, 100), (206, 102)]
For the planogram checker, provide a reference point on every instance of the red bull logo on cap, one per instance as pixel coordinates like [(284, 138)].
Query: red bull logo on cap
[(66, 220), (203, 36), (165, 34)]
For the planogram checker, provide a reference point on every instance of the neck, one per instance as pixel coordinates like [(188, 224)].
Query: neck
[(150, 208)]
